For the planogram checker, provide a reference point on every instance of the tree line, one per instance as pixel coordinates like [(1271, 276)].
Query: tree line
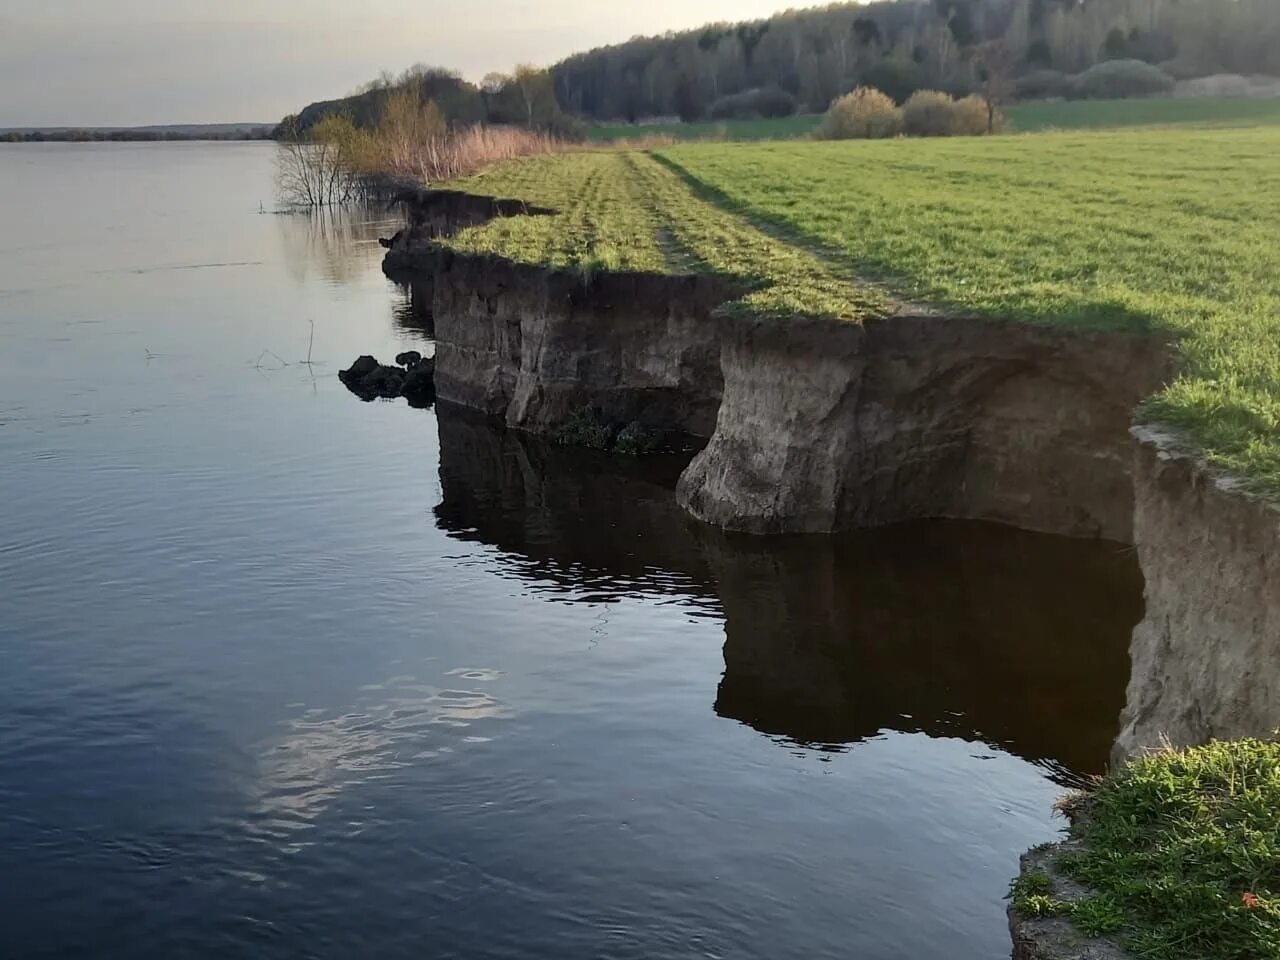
[(525, 98), (802, 60)]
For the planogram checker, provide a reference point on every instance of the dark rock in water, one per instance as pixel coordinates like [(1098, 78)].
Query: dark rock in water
[(419, 387), (370, 380), (360, 369), (409, 359), (390, 242)]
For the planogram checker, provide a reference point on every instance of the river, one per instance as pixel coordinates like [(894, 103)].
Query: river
[(285, 674)]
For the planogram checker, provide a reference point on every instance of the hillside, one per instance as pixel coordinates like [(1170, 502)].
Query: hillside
[(799, 60)]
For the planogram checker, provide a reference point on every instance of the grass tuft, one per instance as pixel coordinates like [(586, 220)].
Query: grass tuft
[(1182, 850)]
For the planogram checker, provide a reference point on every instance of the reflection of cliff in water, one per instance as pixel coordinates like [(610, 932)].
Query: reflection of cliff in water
[(411, 311), (578, 525), (954, 629)]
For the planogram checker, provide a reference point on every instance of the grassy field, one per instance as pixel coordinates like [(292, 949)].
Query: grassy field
[(1173, 230), (1098, 114), (1022, 118), (784, 128), (1182, 851)]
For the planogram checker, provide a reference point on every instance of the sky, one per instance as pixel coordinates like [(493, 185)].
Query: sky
[(136, 62)]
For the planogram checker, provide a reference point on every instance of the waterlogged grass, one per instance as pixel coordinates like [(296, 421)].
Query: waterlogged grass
[(1171, 231), (1182, 851), (619, 210)]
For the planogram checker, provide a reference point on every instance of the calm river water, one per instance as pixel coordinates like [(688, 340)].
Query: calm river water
[(284, 674)]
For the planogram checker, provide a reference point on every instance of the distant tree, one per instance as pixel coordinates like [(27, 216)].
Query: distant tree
[(537, 94), (996, 76)]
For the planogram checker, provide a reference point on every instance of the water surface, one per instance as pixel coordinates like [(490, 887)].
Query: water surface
[(290, 675)]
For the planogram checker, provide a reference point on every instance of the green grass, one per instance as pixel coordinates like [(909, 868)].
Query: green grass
[(782, 128), (1029, 117), (623, 210), (1095, 114), (1172, 231), (1182, 850)]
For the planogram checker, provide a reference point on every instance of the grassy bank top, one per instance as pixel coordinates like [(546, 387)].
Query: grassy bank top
[(1172, 231), (1182, 852), (636, 211)]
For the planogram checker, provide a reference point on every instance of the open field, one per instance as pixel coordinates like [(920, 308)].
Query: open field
[(1097, 114), (783, 128), (1176, 232), (1022, 118)]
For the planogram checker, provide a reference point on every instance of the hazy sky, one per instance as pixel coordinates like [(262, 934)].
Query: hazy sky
[(105, 62)]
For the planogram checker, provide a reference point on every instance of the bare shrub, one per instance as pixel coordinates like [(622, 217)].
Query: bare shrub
[(930, 113), (972, 116), (413, 141), (865, 113), (312, 170)]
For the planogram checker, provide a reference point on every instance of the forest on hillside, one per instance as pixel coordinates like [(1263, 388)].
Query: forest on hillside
[(800, 60), (812, 56)]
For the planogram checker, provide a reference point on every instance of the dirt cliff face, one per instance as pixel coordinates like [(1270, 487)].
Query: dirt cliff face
[(534, 346), (827, 426), (1204, 655)]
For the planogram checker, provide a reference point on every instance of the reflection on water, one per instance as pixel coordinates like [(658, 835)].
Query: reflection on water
[(953, 629), (412, 310), (395, 724), (338, 243), (948, 628)]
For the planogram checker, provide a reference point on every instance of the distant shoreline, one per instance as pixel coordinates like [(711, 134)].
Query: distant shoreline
[(193, 131)]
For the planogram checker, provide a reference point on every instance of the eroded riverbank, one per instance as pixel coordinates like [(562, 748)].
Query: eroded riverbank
[(819, 426)]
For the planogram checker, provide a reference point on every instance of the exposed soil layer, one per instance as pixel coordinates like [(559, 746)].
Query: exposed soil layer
[(533, 346), (827, 426), (1205, 655)]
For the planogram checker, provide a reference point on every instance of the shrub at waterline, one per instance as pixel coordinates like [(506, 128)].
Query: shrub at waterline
[(863, 114), (1182, 852)]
